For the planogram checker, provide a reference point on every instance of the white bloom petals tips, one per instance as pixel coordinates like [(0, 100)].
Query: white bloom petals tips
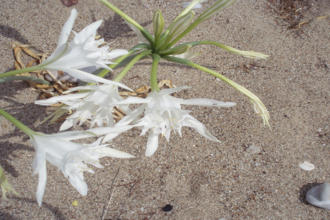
[(95, 105), (185, 5), (71, 158), (307, 166), (83, 51), (163, 113)]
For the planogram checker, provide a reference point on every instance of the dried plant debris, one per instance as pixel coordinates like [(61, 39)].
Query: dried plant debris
[(145, 90), (47, 91), (69, 3), (290, 12)]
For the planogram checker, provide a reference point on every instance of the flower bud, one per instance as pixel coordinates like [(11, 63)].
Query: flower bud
[(158, 22), (180, 24)]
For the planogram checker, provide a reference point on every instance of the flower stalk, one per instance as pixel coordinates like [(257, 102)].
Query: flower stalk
[(153, 75)]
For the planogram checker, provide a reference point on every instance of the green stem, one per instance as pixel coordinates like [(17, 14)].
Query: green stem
[(25, 70), (153, 75), (34, 68), (145, 33), (130, 65), (17, 123)]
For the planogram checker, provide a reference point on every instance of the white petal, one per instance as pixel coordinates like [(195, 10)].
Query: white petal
[(66, 30), (125, 121), (68, 123), (131, 100), (106, 151), (206, 102), (307, 166), (187, 55), (90, 29), (88, 77), (41, 183), (200, 128), (173, 90), (152, 144), (58, 99), (116, 53)]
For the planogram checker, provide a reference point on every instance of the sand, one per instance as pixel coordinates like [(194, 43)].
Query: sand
[(199, 178)]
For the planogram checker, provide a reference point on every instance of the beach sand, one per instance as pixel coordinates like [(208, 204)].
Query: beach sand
[(199, 178)]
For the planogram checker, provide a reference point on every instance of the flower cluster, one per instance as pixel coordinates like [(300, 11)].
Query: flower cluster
[(95, 102)]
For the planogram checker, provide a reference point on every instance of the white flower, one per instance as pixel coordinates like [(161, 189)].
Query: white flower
[(95, 105), (83, 51), (71, 158), (163, 114)]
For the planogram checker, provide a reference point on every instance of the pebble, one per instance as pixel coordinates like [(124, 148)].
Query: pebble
[(319, 196)]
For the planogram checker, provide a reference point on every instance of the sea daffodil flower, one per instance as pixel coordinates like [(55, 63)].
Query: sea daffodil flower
[(71, 158), (163, 113), (94, 105), (83, 51)]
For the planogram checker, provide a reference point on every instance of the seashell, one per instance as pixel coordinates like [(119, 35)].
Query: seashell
[(307, 166), (319, 196)]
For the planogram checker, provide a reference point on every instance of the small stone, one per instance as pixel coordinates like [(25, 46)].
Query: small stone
[(69, 3), (319, 196), (167, 208)]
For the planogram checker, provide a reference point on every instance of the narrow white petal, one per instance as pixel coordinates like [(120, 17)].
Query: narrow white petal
[(41, 183), (88, 77), (187, 55), (116, 53), (68, 123), (173, 90), (206, 102), (125, 121), (106, 151), (131, 100), (152, 144), (90, 29), (66, 30), (58, 99), (200, 128)]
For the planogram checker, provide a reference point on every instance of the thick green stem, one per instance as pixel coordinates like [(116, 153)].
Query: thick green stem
[(130, 65), (145, 33), (17, 123), (153, 75)]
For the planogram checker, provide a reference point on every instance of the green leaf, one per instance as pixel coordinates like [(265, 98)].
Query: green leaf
[(27, 78)]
